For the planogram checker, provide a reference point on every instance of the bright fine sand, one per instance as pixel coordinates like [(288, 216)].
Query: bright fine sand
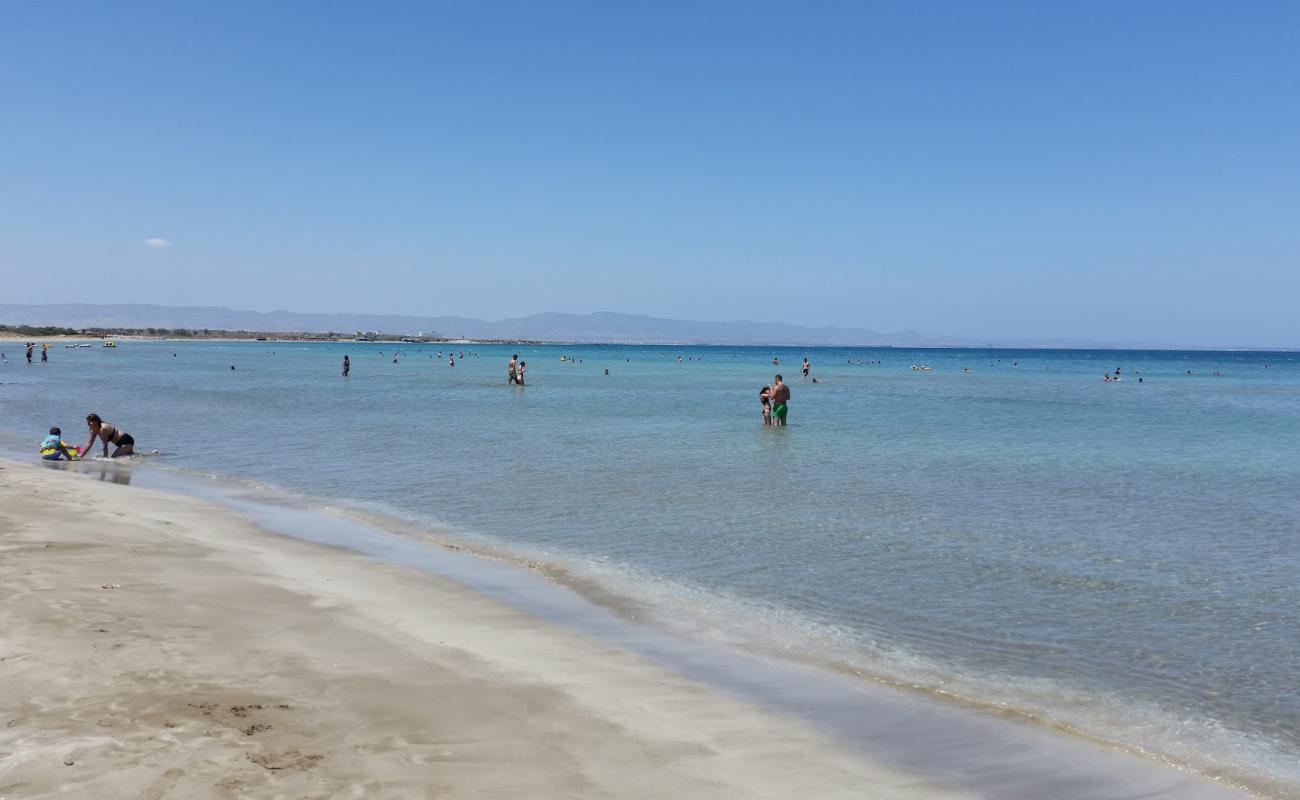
[(153, 645)]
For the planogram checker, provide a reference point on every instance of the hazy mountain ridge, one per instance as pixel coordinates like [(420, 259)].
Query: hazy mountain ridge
[(552, 326), (597, 327)]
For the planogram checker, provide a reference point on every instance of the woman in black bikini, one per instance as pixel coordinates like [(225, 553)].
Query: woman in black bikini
[(110, 435)]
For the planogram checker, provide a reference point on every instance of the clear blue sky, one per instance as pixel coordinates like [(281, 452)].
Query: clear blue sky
[(1118, 171)]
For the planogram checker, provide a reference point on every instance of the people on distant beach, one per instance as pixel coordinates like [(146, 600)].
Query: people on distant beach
[(765, 399), (347, 366), (108, 433), (519, 377), (54, 448), (512, 370), (806, 367), (780, 402)]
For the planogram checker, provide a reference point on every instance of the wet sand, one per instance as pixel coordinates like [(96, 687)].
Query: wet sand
[(156, 645)]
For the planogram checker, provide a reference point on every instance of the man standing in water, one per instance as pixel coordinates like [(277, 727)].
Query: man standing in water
[(347, 365), (29, 352), (513, 369), (806, 367), (780, 402)]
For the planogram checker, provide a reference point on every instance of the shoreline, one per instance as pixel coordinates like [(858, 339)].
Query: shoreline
[(162, 646), (920, 718)]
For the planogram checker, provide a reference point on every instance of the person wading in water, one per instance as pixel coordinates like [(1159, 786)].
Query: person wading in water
[(780, 402), (125, 445)]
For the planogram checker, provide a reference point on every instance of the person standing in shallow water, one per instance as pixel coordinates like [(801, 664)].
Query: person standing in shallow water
[(780, 402), (806, 367), (347, 365), (520, 378), (512, 370)]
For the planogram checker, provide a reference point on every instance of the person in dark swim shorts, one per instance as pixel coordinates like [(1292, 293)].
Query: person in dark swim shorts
[(124, 444)]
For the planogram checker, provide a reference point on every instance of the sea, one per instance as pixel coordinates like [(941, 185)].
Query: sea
[(999, 528)]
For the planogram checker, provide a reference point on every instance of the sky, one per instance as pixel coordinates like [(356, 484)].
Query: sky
[(1114, 171)]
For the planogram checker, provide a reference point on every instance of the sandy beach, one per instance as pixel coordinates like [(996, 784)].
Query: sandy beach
[(159, 646)]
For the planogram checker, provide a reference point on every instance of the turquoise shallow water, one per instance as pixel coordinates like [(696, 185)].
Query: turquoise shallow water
[(1120, 559)]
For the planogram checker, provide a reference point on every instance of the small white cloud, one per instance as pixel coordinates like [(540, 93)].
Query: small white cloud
[(157, 243)]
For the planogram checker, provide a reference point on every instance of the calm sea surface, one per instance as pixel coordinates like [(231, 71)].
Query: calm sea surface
[(1122, 559)]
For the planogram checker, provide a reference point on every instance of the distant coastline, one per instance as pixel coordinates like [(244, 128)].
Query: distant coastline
[(192, 322), (55, 333)]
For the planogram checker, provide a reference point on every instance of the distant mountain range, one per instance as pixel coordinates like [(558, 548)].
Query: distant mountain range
[(599, 327), (603, 327)]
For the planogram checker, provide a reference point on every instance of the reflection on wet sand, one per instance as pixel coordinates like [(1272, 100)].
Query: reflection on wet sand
[(104, 470)]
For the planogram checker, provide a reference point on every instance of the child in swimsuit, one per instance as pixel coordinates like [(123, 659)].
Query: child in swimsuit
[(764, 397), (53, 447)]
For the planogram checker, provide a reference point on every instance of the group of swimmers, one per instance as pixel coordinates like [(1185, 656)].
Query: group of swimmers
[(31, 346), (451, 359), (775, 399), (53, 448)]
